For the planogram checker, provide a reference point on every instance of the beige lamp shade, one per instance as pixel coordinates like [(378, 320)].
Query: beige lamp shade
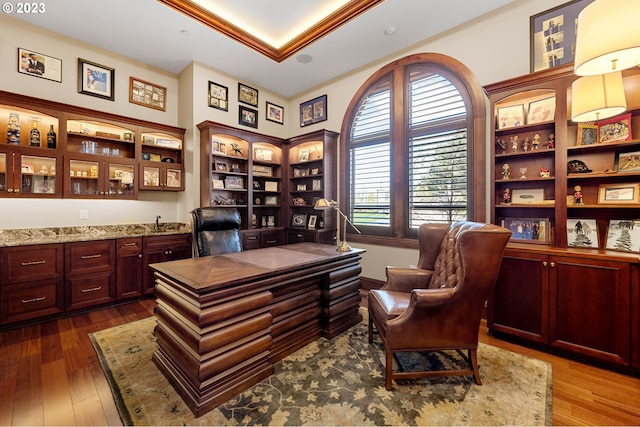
[(608, 37), (597, 97)]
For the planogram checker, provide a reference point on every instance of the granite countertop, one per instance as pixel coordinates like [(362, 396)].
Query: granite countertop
[(38, 236)]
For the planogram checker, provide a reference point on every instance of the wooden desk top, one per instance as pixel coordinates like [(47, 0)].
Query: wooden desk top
[(201, 275)]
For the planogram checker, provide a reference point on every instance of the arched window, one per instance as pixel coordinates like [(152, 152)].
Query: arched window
[(413, 148)]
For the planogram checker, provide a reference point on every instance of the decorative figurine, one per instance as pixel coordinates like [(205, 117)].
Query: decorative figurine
[(506, 196), (515, 141), (545, 173), (236, 149), (577, 195), (13, 129), (526, 144), (502, 145), (506, 173), (536, 141), (551, 141), (523, 173)]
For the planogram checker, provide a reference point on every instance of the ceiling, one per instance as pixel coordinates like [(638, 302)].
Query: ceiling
[(156, 34)]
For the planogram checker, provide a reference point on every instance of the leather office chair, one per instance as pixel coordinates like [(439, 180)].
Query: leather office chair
[(215, 231), (438, 305)]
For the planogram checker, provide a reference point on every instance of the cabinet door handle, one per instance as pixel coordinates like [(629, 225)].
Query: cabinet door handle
[(553, 264), (544, 263), (25, 264), (97, 288), (299, 236), (90, 256), (10, 190), (36, 299), (252, 238), (270, 242), (130, 244), (139, 255), (17, 190), (169, 252)]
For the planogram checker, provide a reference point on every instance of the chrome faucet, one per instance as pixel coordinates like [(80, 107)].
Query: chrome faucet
[(158, 225)]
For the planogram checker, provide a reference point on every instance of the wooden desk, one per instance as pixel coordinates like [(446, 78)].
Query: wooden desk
[(223, 321)]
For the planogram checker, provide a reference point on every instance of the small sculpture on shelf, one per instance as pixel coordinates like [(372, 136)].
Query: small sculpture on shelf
[(506, 196), (577, 194), (13, 129), (545, 173), (515, 141), (526, 144), (551, 141), (506, 172), (536, 141), (237, 151), (502, 145), (523, 173)]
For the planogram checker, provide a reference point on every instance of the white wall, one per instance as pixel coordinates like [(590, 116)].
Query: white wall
[(494, 48)]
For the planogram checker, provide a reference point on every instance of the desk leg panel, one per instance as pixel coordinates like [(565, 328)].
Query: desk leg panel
[(341, 299)]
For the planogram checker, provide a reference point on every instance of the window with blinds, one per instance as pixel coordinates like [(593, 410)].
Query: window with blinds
[(407, 152)]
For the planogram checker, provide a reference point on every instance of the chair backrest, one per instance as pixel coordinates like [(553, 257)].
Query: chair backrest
[(215, 231)]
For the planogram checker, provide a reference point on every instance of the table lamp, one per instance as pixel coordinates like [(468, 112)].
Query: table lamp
[(323, 204)]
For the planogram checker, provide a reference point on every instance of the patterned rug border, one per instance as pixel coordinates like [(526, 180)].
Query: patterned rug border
[(129, 419)]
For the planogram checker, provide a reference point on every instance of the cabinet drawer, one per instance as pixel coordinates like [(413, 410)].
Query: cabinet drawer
[(129, 246), (30, 263), (26, 301), (90, 289), (251, 240), (89, 257), (171, 241), (271, 238)]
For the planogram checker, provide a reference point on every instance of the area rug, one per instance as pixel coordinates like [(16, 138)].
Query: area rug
[(333, 382)]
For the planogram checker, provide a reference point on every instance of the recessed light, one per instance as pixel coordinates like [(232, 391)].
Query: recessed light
[(185, 32), (304, 58), (390, 31)]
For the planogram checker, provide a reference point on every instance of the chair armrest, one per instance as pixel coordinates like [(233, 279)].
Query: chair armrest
[(403, 279), (431, 297)]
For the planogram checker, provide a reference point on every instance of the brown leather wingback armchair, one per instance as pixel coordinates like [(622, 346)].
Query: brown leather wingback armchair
[(215, 231), (438, 305)]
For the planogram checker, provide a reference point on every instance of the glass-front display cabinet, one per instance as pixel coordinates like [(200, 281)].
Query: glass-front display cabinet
[(29, 159), (161, 163)]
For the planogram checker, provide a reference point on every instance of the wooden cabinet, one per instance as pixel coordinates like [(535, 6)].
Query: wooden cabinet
[(129, 267), (160, 249), (89, 273), (572, 289), (96, 154), (31, 282), (312, 175)]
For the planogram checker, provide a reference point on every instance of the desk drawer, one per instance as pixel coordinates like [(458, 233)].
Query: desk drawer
[(271, 238), (89, 257), (250, 240), (30, 263)]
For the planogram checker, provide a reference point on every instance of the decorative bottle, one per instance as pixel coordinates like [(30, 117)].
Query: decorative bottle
[(34, 136), (51, 138), (13, 129)]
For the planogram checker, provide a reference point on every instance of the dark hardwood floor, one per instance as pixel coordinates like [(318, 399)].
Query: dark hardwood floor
[(50, 375)]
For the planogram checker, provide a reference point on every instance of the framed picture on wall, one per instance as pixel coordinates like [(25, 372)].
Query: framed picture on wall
[(248, 117), (247, 94), (39, 65), (218, 96), (313, 111), (96, 80), (275, 113), (147, 94)]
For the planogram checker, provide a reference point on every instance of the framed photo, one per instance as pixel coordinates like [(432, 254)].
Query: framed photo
[(553, 35), (147, 94), (247, 95), (271, 186), (234, 183), (303, 155), (528, 230), (248, 117), (623, 235), (301, 187), (299, 220), (316, 185), (219, 147), (628, 161), (313, 219), (271, 200), (263, 155), (39, 65), (96, 80), (525, 196), (615, 129), (587, 134), (218, 184), (542, 110), (619, 193), (275, 113), (221, 166), (218, 96), (511, 116), (313, 111), (582, 233), (271, 221)]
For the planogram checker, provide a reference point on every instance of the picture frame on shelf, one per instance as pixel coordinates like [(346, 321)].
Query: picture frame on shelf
[(271, 201), (271, 186), (218, 96), (510, 116), (221, 166), (256, 185), (587, 134), (582, 233), (96, 80), (615, 129), (234, 183), (313, 219), (552, 35), (623, 235), (147, 94), (301, 187), (263, 154), (628, 193), (528, 230), (218, 184), (316, 185), (313, 111), (247, 95), (541, 110), (247, 116), (299, 220), (303, 155), (39, 65), (275, 113), (627, 161), (271, 221), (218, 147), (259, 170), (527, 195)]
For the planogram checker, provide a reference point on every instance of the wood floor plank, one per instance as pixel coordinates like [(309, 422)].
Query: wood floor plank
[(89, 412), (27, 404), (56, 397)]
